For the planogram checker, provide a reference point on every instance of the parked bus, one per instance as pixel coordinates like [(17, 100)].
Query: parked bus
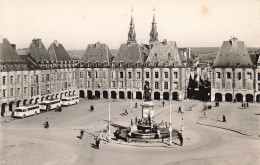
[(27, 110), (50, 104), (70, 100)]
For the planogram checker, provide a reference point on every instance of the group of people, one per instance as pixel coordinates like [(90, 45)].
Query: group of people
[(245, 105), (217, 103)]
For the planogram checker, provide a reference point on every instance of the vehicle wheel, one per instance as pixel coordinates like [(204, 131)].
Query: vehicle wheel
[(24, 116), (35, 113)]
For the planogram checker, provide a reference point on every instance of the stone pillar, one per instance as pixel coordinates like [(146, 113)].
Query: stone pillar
[(152, 95), (161, 96), (223, 97), (117, 95), (244, 97), (134, 95)]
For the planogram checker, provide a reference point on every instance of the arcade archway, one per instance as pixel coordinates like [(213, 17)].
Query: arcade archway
[(156, 95), (97, 95), (239, 97), (165, 95), (218, 97), (113, 94), (81, 94), (89, 94), (228, 97), (175, 96), (121, 95), (139, 95), (249, 98), (105, 94)]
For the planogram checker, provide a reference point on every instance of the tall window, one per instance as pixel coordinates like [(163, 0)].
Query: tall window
[(25, 78), (175, 74), (258, 86), (138, 75), (37, 79), (4, 93), (218, 74), (47, 77), (121, 84), (43, 78), (156, 85), (112, 75), (129, 74), (165, 85), (147, 74), (113, 84), (228, 75), (11, 79), (18, 79), (80, 74), (121, 75), (239, 75), (4, 80), (25, 91), (18, 91), (166, 75), (96, 74), (258, 76), (249, 75), (89, 74), (156, 75), (104, 75), (175, 84)]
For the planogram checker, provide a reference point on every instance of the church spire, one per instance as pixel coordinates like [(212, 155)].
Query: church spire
[(131, 33), (154, 33)]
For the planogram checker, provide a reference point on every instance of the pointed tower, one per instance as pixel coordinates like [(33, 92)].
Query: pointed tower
[(154, 33), (131, 33)]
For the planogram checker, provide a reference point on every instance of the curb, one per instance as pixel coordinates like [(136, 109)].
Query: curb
[(224, 129)]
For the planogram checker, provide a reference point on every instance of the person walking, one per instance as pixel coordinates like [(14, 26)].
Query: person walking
[(205, 115), (46, 124), (163, 103), (135, 104), (81, 134), (247, 104), (224, 118), (97, 142)]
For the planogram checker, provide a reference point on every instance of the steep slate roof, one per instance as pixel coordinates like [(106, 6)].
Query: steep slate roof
[(97, 52), (7, 52), (160, 53), (57, 52), (38, 51), (131, 52), (31, 63), (233, 53)]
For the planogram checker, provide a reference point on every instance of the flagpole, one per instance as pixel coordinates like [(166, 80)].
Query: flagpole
[(170, 129), (109, 135)]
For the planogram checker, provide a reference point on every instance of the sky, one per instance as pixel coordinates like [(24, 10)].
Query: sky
[(77, 23)]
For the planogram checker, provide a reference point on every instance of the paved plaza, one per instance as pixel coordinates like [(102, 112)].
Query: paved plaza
[(27, 142)]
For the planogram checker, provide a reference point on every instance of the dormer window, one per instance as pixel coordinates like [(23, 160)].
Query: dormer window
[(156, 64), (166, 63), (113, 64), (105, 64), (97, 64), (88, 64), (121, 64)]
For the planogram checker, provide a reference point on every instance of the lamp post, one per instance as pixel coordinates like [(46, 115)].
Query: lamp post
[(131, 111), (170, 129), (109, 135)]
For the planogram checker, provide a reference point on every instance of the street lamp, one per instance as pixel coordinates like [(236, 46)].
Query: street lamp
[(170, 129), (109, 135)]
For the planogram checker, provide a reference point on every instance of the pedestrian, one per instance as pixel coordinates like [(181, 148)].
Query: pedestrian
[(205, 115), (180, 138), (97, 142), (46, 124), (179, 109), (247, 104), (224, 118), (163, 103), (136, 119), (81, 134), (135, 104), (191, 108), (216, 104), (242, 104), (91, 107)]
